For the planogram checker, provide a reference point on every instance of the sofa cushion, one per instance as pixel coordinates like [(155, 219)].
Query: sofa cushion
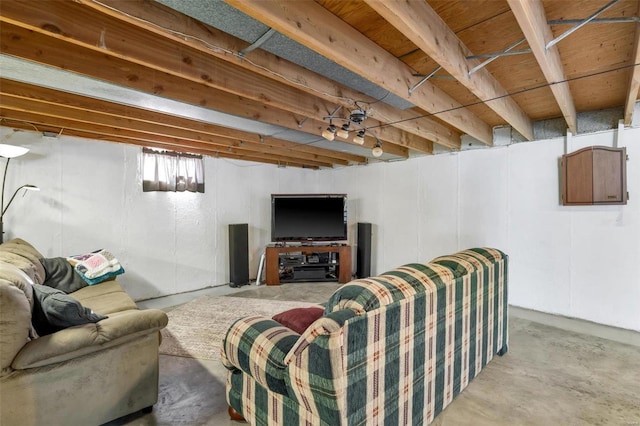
[(75, 342), (15, 322), (61, 275), (107, 297), (299, 319), (23, 255), (54, 310)]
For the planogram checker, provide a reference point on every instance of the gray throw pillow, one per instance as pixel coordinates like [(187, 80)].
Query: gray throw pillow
[(61, 275), (53, 310)]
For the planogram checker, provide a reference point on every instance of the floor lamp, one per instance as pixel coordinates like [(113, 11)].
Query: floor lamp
[(9, 152)]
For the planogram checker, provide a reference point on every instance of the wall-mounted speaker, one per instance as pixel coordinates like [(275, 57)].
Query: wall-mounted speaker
[(363, 251), (238, 254)]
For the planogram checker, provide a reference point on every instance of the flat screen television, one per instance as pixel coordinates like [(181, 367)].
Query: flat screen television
[(308, 217)]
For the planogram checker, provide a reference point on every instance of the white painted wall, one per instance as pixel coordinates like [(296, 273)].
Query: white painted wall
[(91, 197), (579, 262)]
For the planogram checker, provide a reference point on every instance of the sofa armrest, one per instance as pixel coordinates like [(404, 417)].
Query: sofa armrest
[(258, 346), (324, 326), (84, 339)]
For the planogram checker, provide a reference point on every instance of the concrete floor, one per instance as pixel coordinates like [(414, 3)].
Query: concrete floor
[(551, 376)]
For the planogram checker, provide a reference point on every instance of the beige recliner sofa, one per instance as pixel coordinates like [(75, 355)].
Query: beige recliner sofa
[(83, 375)]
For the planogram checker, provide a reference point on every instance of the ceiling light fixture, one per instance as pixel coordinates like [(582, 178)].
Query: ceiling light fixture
[(343, 132), (329, 133), (377, 150), (359, 137), (356, 117)]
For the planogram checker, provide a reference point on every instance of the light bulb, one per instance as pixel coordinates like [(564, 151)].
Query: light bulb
[(359, 138), (329, 133)]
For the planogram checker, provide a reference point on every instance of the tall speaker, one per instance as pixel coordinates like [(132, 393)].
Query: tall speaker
[(363, 252), (238, 254)]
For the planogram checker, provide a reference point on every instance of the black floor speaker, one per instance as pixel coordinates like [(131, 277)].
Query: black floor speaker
[(238, 254), (363, 252)]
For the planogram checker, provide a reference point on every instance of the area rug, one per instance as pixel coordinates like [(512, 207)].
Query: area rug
[(196, 329)]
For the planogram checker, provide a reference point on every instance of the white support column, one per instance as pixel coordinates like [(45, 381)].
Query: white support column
[(619, 139), (568, 142)]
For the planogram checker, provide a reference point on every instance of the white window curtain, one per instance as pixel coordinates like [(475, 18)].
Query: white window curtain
[(172, 171)]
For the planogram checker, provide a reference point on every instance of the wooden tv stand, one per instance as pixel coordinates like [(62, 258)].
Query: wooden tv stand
[(342, 264)]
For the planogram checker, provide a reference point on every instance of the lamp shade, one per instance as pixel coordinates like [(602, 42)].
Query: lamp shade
[(329, 133), (343, 132), (26, 187), (359, 138), (377, 150), (12, 151)]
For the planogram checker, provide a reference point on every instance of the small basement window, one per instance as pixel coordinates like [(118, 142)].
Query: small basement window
[(171, 171)]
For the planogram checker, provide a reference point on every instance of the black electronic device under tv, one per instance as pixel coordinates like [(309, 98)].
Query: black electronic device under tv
[(308, 217)]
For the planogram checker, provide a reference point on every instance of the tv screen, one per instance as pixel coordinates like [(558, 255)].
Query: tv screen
[(305, 217)]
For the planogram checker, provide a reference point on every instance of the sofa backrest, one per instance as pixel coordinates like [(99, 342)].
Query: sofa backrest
[(368, 294), (20, 253), (442, 321)]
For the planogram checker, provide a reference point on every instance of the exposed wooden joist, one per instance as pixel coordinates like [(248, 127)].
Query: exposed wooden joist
[(52, 49), (29, 126), (153, 131), (82, 26), (159, 123), (169, 23), (533, 21), (310, 24), (634, 77), (107, 132), (424, 27)]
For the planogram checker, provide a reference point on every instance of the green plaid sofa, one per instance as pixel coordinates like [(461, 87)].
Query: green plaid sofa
[(394, 349)]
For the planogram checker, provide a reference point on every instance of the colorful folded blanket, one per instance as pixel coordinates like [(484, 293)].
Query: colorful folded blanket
[(97, 266)]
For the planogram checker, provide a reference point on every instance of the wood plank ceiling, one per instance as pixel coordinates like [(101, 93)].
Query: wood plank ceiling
[(150, 48)]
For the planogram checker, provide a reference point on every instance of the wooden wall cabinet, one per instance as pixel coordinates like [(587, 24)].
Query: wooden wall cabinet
[(594, 175)]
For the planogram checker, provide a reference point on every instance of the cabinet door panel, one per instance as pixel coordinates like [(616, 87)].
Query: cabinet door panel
[(579, 177), (607, 179)]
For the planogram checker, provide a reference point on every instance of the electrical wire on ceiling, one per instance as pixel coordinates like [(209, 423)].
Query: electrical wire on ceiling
[(519, 92), (351, 100), (404, 55), (238, 55)]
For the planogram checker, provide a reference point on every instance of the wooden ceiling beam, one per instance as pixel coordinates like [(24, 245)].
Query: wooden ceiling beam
[(81, 106), (310, 24), (168, 23), (424, 27), (19, 124), (533, 21), (634, 77), (41, 46), (52, 50), (104, 132), (82, 26), (153, 130)]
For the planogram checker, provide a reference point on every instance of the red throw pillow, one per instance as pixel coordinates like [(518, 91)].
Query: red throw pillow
[(299, 319)]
